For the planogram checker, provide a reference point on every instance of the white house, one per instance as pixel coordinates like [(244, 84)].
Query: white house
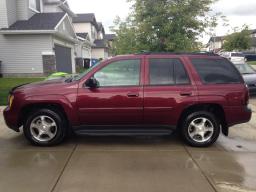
[(87, 23), (215, 43), (37, 37)]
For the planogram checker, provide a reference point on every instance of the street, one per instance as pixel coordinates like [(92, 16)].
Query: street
[(137, 164)]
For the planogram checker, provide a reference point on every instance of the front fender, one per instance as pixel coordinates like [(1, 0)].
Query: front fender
[(68, 106)]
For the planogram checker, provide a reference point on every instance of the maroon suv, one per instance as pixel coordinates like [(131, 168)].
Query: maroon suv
[(142, 94)]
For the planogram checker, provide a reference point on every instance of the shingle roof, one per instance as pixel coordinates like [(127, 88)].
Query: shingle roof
[(85, 18), (82, 35), (100, 43), (110, 37), (40, 21)]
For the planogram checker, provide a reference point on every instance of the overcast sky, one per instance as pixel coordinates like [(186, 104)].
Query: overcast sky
[(238, 12)]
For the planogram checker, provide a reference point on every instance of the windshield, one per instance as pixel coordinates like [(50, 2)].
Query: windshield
[(245, 68), (81, 75)]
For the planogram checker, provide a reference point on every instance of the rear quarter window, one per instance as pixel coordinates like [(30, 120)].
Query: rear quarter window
[(216, 71)]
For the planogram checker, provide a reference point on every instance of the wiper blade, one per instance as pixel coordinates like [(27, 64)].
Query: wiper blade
[(69, 80)]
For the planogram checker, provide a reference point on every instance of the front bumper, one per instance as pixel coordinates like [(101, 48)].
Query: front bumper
[(11, 119)]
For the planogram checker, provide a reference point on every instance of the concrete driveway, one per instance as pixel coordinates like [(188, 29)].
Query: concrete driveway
[(129, 164)]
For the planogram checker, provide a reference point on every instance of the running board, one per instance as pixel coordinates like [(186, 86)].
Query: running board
[(123, 132)]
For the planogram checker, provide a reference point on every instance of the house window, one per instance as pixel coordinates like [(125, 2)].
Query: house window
[(35, 5)]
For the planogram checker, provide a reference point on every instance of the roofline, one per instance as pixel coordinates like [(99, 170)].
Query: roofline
[(14, 32), (80, 38), (74, 40), (177, 53), (60, 21), (50, 31), (84, 40), (63, 18)]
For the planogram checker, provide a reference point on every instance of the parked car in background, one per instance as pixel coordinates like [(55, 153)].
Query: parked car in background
[(249, 75), (234, 57), (199, 95)]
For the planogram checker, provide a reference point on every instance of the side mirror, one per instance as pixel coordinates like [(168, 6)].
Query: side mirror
[(92, 83)]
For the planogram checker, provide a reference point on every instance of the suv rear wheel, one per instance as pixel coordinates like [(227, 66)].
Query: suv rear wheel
[(200, 129), (45, 127)]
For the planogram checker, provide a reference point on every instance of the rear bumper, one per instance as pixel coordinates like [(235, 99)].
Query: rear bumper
[(11, 119), (237, 115)]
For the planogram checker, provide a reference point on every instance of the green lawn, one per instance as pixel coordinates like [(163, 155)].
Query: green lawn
[(7, 83), (252, 62)]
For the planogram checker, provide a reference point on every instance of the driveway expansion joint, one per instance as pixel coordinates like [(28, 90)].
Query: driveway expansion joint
[(64, 167), (208, 179)]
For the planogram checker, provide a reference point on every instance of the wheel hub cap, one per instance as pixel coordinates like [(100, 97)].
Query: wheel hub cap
[(43, 128), (200, 129)]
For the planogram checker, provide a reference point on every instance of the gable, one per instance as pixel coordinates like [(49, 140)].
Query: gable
[(66, 28)]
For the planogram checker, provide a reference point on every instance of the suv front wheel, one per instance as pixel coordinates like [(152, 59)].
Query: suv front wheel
[(45, 127), (200, 129)]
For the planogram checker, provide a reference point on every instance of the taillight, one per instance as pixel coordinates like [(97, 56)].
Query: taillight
[(247, 96)]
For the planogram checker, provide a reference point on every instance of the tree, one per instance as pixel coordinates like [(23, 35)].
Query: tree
[(163, 25), (238, 41), (124, 43)]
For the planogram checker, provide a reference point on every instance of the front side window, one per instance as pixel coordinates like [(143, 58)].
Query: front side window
[(35, 5), (216, 71), (167, 72), (120, 73)]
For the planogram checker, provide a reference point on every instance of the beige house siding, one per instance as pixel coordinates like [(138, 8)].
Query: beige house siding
[(99, 53)]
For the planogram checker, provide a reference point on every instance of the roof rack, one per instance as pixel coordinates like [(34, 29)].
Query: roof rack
[(176, 53)]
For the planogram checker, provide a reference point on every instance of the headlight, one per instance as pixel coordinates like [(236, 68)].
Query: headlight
[(10, 100)]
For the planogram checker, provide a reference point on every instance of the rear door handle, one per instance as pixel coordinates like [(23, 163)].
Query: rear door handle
[(185, 93), (133, 94)]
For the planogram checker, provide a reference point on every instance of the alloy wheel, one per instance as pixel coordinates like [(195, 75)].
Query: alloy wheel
[(43, 128), (201, 129)]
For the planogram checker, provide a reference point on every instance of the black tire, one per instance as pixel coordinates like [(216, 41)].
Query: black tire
[(193, 117), (60, 130)]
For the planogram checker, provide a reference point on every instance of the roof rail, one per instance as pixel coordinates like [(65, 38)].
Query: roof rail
[(176, 53)]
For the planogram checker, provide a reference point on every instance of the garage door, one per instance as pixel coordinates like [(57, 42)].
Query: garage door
[(63, 59)]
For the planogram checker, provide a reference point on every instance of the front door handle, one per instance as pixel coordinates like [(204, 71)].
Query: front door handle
[(185, 93), (133, 94)]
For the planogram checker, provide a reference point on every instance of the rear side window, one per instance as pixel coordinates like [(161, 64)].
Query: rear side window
[(167, 72), (216, 71)]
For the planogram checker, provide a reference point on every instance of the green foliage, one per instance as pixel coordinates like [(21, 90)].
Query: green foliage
[(252, 62), (238, 41), (6, 84), (163, 25)]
